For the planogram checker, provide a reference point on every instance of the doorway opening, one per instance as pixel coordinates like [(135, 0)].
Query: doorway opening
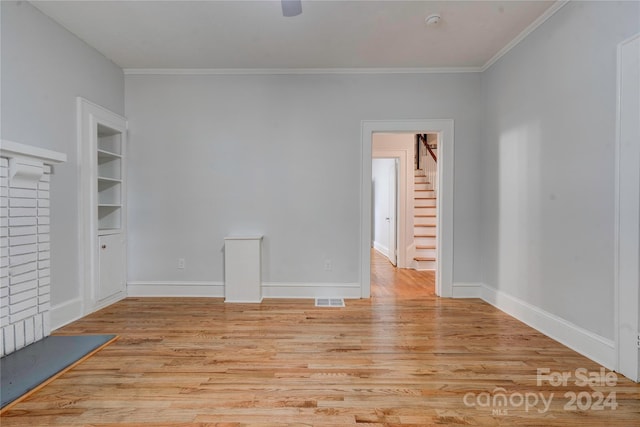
[(405, 153), (404, 208)]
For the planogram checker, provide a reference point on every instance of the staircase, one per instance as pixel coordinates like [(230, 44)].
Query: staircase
[(424, 231)]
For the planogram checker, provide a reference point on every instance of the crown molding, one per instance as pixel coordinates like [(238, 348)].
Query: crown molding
[(272, 71), (302, 71), (531, 28)]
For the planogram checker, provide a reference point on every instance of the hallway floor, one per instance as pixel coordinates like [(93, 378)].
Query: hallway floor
[(389, 281)]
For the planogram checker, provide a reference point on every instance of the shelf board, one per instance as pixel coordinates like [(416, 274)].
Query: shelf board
[(108, 155), (105, 179), (105, 231), (109, 205)]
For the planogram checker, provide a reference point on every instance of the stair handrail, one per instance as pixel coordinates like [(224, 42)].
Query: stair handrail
[(423, 138), (426, 144), (427, 163), (418, 151)]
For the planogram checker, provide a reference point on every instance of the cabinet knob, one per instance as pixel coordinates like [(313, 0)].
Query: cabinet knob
[(104, 246)]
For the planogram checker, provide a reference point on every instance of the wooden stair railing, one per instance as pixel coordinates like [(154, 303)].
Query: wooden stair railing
[(423, 138)]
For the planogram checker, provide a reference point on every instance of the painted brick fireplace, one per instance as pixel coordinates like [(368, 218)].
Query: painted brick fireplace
[(25, 252)]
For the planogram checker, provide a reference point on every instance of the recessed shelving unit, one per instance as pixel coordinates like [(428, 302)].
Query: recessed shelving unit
[(110, 180), (102, 146)]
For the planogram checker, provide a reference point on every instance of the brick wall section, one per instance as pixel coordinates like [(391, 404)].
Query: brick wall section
[(24, 261)]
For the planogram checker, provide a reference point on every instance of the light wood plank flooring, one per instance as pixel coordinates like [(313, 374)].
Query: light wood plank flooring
[(401, 358)]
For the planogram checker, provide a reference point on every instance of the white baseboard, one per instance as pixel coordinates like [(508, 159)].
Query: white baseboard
[(216, 289), (381, 248), (593, 346), (311, 290), (65, 313), (175, 289), (466, 290), (108, 301)]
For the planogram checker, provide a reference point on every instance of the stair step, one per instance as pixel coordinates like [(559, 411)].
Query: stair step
[(425, 254), (422, 186), (425, 215), (424, 232), (425, 265), (430, 210), (424, 220), (425, 251), (424, 258), (428, 240), (425, 202)]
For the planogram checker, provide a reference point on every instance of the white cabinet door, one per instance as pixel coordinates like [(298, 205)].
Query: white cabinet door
[(111, 256)]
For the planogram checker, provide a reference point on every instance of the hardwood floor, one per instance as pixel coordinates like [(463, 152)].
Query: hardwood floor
[(387, 281), (401, 358)]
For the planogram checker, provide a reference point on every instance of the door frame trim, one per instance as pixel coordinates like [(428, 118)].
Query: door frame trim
[(626, 241), (444, 128), (89, 115)]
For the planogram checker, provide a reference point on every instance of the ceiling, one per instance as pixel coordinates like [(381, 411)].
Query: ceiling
[(241, 34)]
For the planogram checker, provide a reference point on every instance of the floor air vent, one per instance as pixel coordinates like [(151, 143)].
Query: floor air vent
[(329, 302)]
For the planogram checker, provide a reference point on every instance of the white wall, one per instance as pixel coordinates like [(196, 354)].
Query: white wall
[(381, 187), (280, 155), (44, 68), (548, 165)]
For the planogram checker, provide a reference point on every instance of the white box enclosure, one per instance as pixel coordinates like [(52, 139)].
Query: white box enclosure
[(243, 265)]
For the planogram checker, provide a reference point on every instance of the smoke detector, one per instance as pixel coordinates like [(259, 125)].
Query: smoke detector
[(433, 19)]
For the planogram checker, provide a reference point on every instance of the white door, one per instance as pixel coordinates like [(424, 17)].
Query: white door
[(393, 213), (111, 265)]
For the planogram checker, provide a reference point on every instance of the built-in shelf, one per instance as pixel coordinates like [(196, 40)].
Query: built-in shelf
[(110, 179), (104, 155), (110, 168), (109, 191), (102, 150), (108, 231), (109, 217)]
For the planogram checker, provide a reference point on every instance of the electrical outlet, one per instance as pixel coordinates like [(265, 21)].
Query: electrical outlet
[(327, 265), (181, 263)]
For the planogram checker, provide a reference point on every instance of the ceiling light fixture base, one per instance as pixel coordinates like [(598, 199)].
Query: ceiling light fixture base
[(433, 19)]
